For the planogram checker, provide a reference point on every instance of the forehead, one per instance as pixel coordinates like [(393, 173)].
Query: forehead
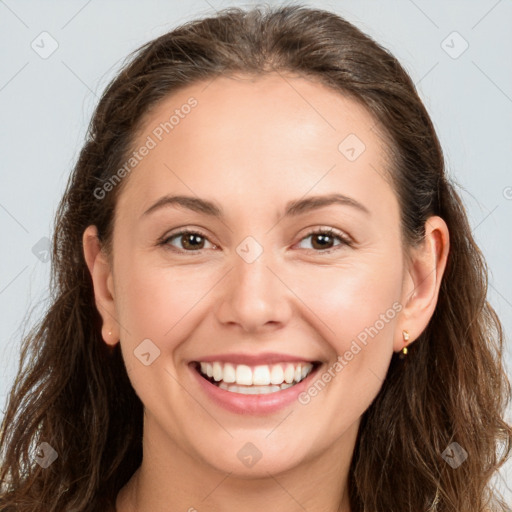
[(250, 134)]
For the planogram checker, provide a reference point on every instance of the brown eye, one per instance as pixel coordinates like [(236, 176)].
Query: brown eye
[(322, 240), (190, 241)]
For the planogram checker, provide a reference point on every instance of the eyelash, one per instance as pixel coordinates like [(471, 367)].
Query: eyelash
[(345, 240)]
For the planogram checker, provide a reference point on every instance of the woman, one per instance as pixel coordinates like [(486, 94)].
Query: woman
[(266, 292)]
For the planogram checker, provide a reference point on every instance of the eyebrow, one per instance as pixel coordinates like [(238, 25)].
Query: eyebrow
[(293, 208)]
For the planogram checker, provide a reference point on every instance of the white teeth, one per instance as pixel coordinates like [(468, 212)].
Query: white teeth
[(217, 371), (269, 376), (298, 373), (229, 373), (261, 376), (253, 390), (289, 373), (277, 374), (243, 375)]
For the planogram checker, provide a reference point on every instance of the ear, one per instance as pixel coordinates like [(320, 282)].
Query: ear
[(103, 284), (422, 281)]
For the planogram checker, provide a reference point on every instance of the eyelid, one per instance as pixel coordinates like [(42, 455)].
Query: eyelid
[(183, 231), (345, 239)]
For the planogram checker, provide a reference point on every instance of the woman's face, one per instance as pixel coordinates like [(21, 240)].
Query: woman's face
[(252, 288)]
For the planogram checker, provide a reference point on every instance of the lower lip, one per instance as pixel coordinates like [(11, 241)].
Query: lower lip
[(253, 404)]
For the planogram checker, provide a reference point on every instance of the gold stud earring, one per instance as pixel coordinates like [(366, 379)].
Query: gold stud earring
[(405, 335), (110, 333)]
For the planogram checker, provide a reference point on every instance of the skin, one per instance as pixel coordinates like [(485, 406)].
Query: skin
[(251, 145)]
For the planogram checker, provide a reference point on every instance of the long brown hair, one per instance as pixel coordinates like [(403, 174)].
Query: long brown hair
[(72, 391)]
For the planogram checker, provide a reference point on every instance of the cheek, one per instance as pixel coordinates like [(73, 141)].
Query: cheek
[(356, 311), (355, 308), (160, 304), (352, 298), (155, 301)]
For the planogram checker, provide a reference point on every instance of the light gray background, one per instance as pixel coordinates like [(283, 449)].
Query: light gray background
[(46, 105)]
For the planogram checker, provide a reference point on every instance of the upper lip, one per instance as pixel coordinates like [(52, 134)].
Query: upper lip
[(254, 359)]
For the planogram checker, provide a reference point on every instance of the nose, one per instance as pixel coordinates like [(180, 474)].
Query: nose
[(254, 296)]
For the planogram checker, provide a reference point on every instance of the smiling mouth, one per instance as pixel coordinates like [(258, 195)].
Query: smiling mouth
[(254, 380)]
